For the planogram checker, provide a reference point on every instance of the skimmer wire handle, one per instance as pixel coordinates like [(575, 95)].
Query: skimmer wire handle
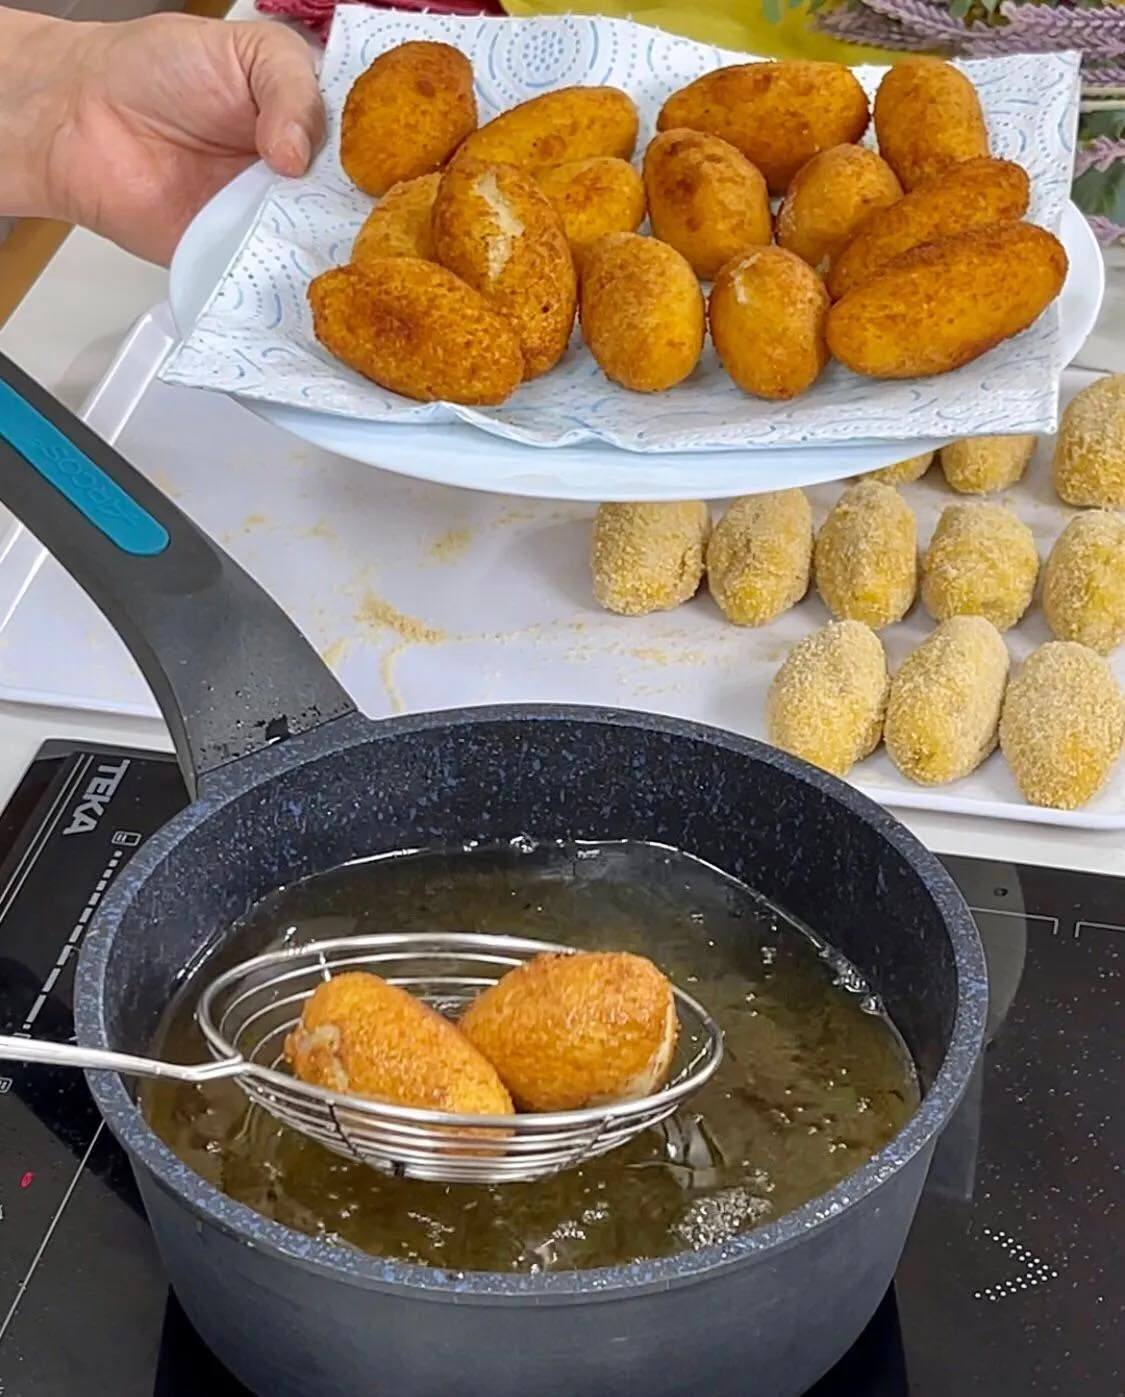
[(97, 1059)]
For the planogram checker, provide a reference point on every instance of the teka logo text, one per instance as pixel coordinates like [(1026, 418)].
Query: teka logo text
[(96, 797)]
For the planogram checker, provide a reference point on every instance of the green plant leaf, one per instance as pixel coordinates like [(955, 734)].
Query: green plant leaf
[(1102, 192)]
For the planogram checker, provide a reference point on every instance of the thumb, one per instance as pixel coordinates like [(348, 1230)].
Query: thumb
[(279, 70)]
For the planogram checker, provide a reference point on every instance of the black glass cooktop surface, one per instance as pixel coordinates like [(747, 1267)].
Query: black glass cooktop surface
[(1011, 1282)]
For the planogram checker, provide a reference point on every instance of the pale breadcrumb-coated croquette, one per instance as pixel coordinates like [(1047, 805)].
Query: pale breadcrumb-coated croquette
[(571, 123), (973, 195), (981, 561), (415, 328), (983, 465), (830, 198), (1063, 725), (759, 556), (866, 556), (399, 224), (406, 115), (1084, 581), (944, 705), (903, 472), (1089, 464), (361, 1036), (496, 229), (705, 199), (594, 197), (927, 117), (642, 312), (826, 702), (648, 557), (567, 1031)]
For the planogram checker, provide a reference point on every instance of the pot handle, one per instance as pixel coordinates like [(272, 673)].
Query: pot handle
[(230, 671)]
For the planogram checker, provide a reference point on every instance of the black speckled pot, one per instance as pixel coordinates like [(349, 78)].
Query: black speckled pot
[(291, 782)]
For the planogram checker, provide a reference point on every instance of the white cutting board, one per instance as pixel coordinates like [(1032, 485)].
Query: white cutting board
[(422, 596)]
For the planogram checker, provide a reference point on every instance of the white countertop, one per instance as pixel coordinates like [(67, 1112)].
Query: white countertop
[(65, 334)]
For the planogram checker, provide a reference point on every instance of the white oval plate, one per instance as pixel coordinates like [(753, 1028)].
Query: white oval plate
[(457, 454)]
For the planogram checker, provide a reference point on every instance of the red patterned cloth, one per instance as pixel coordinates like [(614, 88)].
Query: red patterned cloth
[(317, 14)]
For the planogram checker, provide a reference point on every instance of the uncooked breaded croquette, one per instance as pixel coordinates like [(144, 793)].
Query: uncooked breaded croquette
[(406, 114), (827, 701), (866, 556), (360, 1035), (903, 472), (568, 1031), (830, 198), (1063, 725), (1089, 464), (648, 557), (594, 197), (399, 224), (983, 465), (981, 561), (944, 705), (1084, 581), (759, 556)]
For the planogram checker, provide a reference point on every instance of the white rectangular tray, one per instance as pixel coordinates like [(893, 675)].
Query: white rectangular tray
[(421, 596)]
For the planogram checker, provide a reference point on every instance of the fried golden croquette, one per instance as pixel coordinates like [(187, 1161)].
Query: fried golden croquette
[(1063, 725), (927, 117), (866, 556), (496, 229), (944, 705), (705, 199), (759, 556), (593, 197), (1089, 464), (642, 312), (361, 1036), (983, 465), (648, 557), (981, 561), (778, 114), (1084, 581), (399, 224), (767, 311), (416, 329), (568, 1031), (830, 198), (946, 303), (826, 702), (572, 123), (406, 115), (976, 194)]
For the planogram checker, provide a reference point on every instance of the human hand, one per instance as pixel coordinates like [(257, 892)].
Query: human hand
[(161, 113)]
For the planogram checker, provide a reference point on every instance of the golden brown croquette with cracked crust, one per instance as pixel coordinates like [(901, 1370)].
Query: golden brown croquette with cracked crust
[(399, 224), (830, 198)]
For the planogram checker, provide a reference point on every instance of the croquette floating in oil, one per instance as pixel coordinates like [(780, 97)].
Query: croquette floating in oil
[(569, 1031), (826, 702)]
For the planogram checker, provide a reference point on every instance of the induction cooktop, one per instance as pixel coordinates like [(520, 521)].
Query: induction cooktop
[(1011, 1282)]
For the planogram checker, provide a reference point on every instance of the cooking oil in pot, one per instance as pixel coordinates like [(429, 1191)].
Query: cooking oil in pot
[(814, 1081)]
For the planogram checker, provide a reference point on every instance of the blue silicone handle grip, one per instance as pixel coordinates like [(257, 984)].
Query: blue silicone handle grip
[(88, 488)]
